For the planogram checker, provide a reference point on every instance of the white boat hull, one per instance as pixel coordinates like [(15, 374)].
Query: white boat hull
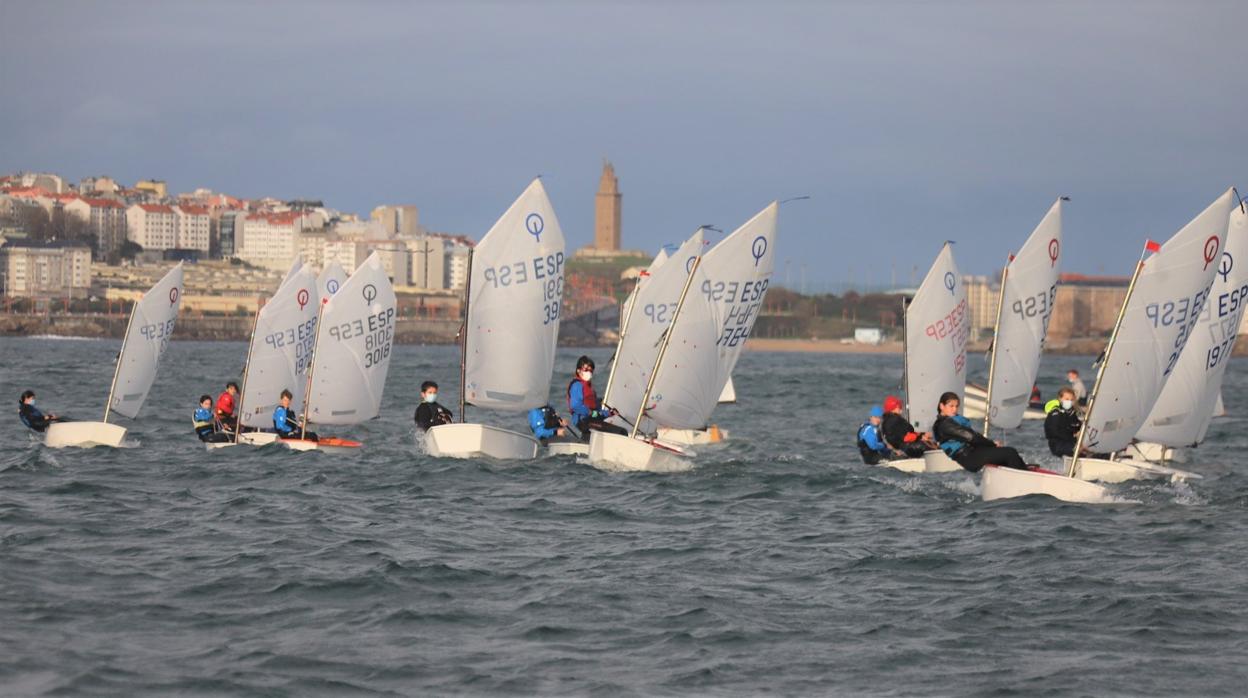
[(249, 438), (906, 465), (1114, 471), (83, 434), (1007, 483), (693, 437), (617, 452), (567, 448), (938, 462), (479, 440)]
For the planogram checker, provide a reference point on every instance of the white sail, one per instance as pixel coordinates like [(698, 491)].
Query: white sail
[(729, 393), (737, 273), (295, 266), (937, 327), (1163, 311), (353, 347), (687, 387), (1026, 306), (1192, 394), (663, 255), (281, 349), (514, 304), (658, 293), (151, 326), (331, 279)]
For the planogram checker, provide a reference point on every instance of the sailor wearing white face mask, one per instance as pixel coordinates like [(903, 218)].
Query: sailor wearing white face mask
[(587, 413), (429, 413), (1062, 423)]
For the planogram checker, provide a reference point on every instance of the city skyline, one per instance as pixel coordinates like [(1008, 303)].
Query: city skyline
[(906, 124)]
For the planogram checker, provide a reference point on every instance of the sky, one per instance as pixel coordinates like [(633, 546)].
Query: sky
[(906, 123)]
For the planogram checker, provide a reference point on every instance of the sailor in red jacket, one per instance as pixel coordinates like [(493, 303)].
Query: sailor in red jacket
[(225, 407), (899, 434)]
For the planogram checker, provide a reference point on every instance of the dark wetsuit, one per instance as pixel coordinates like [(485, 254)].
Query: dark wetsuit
[(971, 449), (431, 415), (900, 435), (33, 418)]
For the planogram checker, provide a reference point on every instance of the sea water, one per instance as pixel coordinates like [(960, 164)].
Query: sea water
[(779, 564)]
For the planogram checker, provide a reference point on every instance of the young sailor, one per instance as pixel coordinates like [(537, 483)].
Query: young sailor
[(546, 424), (205, 424), (1062, 423), (429, 413), (286, 422), (587, 414), (898, 433), (31, 416), (870, 441), (226, 406), (971, 449)]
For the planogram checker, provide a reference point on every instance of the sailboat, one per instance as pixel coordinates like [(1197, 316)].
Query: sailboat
[(350, 356), (1193, 393), (147, 336), (700, 340), (936, 328), (1024, 306), (331, 279), (512, 305), (728, 396), (1162, 306), (278, 356)]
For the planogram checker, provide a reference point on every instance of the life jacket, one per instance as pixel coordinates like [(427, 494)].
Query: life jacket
[(588, 396), (225, 404), (869, 455), (202, 420), (26, 412), (952, 446)]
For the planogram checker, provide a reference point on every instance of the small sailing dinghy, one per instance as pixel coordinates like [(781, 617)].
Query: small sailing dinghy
[(279, 356), (351, 351), (934, 349), (331, 279), (147, 336), (738, 272), (1193, 393), (511, 322), (1162, 306), (698, 346), (977, 399), (1024, 306)]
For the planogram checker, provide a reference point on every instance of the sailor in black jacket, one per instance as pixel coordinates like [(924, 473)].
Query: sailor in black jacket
[(429, 413), (971, 449), (1062, 423)]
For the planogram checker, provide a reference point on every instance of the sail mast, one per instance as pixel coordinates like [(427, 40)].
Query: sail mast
[(996, 329), (905, 355), (667, 336), (307, 394), (463, 342), (238, 413), (1100, 371), (117, 368)]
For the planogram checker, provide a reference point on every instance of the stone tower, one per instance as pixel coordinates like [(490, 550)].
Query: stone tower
[(607, 211)]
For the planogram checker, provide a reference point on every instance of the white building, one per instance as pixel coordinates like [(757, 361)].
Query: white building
[(457, 263), (152, 226), (428, 262), (270, 240), (194, 227), (45, 270)]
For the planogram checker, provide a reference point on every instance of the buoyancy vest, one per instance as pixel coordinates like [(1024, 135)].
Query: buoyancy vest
[(869, 455), (588, 396)]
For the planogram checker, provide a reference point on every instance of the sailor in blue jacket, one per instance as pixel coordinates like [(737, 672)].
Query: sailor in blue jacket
[(286, 422), (870, 442), (546, 423), (205, 422), (587, 413)]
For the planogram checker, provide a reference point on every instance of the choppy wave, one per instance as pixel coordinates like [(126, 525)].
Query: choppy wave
[(779, 564)]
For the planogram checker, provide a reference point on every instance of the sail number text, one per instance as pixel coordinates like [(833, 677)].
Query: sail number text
[(1225, 329), (1037, 305), (1183, 312), (954, 328), (158, 332), (301, 337), (743, 300), (377, 329), (547, 270)]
